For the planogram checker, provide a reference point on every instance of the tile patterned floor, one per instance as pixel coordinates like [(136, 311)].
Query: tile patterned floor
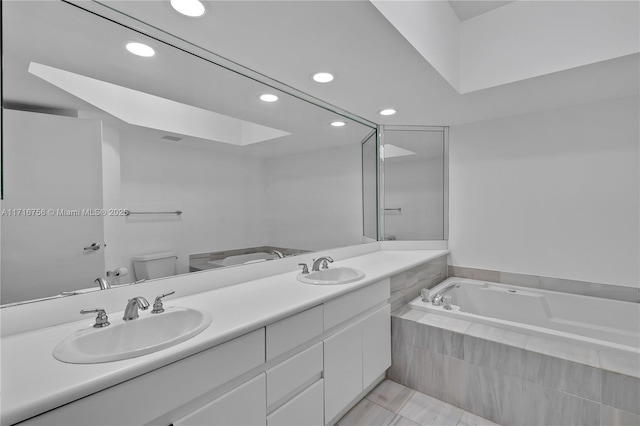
[(391, 404)]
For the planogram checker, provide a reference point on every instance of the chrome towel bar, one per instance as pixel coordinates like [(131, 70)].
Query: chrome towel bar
[(129, 212)]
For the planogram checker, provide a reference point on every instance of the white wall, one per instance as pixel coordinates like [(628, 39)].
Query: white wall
[(221, 196), (323, 188), (518, 41), (432, 28), (310, 201), (554, 193), (415, 186), (526, 39)]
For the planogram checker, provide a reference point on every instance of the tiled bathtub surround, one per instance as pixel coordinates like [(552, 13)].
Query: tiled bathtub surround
[(607, 291), (512, 378), (406, 286)]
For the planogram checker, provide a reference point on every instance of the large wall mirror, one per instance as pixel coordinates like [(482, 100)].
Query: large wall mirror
[(103, 149)]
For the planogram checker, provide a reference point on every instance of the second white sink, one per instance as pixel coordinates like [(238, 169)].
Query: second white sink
[(129, 339), (333, 276)]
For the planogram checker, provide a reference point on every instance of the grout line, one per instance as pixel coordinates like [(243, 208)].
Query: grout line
[(413, 392)]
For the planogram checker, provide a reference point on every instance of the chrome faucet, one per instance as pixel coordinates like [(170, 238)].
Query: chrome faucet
[(321, 260), (277, 253), (437, 299), (131, 311), (102, 283)]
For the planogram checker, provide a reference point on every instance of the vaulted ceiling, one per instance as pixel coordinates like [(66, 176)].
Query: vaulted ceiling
[(374, 64)]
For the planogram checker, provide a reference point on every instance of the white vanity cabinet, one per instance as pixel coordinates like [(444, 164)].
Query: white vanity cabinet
[(358, 354), (305, 409), (243, 406), (305, 369), (342, 369), (295, 389), (376, 345), (146, 398)]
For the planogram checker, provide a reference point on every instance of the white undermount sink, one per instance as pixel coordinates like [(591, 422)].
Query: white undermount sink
[(332, 276), (128, 339)]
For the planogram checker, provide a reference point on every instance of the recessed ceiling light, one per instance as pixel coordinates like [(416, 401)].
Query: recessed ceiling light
[(268, 97), (338, 123), (322, 77), (140, 49), (193, 8), (388, 111)]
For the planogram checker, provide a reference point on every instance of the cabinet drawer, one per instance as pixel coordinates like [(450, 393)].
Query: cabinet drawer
[(293, 331), (286, 377), (144, 398), (350, 305), (243, 406), (305, 409)]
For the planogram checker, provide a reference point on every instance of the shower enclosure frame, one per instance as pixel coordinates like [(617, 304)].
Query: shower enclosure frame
[(381, 172)]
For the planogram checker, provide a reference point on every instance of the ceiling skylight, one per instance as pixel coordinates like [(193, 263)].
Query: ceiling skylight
[(389, 151), (146, 110)]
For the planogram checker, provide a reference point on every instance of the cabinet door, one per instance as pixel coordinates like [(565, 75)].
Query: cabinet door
[(376, 345), (342, 369), (306, 409), (243, 406)]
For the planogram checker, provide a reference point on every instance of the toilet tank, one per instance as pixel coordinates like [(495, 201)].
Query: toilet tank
[(154, 265)]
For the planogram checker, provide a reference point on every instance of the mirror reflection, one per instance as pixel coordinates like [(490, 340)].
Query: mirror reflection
[(128, 167), (414, 183)]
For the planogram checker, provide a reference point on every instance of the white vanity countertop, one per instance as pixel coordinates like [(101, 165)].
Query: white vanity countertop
[(33, 381)]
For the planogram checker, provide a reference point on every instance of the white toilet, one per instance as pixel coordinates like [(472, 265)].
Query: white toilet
[(154, 265)]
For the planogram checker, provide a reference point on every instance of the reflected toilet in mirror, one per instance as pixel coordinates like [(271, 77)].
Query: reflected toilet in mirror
[(154, 265)]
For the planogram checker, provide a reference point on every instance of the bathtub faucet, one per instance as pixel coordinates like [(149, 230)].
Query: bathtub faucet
[(437, 299), (277, 253), (102, 283)]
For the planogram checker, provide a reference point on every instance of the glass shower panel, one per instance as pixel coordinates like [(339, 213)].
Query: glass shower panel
[(414, 183)]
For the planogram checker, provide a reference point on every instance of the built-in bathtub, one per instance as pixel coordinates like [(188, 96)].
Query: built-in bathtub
[(602, 323), (521, 356), (234, 257)]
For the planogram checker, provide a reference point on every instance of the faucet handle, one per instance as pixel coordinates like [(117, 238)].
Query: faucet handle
[(325, 263), (425, 294), (305, 268), (102, 320), (157, 305)]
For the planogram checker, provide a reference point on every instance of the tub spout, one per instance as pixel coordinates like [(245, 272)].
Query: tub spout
[(437, 299)]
